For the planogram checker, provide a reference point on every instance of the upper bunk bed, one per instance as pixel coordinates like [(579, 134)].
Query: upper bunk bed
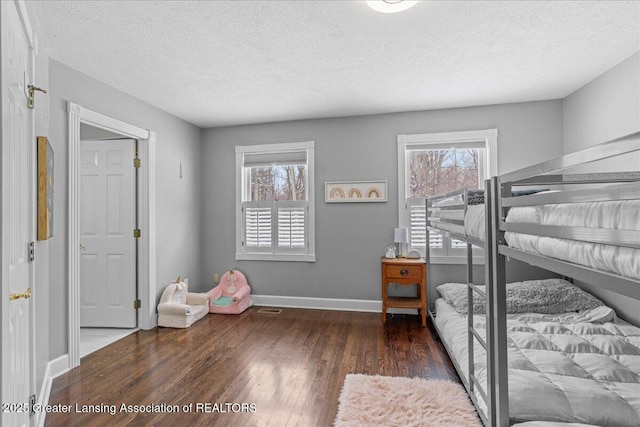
[(587, 227), (460, 213), (584, 225), (567, 224)]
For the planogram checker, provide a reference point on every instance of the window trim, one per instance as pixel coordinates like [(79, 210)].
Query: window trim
[(241, 186), (490, 138)]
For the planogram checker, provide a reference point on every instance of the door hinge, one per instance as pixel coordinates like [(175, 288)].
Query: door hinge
[(32, 252), (32, 404), (137, 304), (136, 233), (137, 162)]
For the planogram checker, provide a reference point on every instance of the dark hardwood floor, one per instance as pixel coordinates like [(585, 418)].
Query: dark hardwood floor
[(253, 369)]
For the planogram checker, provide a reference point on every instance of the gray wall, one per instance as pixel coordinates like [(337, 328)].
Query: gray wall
[(606, 108), (178, 200), (351, 238)]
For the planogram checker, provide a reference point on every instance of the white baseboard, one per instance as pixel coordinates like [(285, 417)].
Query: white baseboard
[(54, 369), (371, 306), (151, 323), (59, 366)]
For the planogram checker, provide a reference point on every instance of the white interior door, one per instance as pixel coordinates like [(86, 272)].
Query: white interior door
[(17, 219), (107, 243)]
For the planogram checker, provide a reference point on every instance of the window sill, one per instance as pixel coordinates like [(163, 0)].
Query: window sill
[(275, 257)]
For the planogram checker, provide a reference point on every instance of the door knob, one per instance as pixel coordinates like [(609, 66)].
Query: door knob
[(25, 295), (32, 89)]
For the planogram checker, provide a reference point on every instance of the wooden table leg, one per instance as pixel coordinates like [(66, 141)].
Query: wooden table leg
[(423, 299), (384, 301)]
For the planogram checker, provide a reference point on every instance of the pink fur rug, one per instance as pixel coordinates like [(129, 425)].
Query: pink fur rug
[(396, 401)]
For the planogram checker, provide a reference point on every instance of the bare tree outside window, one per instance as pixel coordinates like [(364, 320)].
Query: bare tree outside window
[(281, 183), (436, 172)]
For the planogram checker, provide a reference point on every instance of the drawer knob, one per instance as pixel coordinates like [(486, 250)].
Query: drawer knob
[(404, 272)]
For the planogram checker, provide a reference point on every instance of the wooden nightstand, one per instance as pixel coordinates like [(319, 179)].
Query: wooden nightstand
[(405, 271)]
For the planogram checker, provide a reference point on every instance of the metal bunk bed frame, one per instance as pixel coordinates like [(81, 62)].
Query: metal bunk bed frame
[(498, 199), (472, 384), (623, 186)]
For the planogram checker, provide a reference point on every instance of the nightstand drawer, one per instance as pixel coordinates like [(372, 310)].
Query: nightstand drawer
[(404, 272)]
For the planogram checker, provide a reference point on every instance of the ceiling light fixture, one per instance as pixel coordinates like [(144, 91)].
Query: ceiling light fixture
[(390, 6)]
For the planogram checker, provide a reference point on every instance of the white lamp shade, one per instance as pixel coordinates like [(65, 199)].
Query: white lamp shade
[(401, 235)]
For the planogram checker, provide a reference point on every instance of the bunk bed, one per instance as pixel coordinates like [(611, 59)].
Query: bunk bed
[(577, 366)]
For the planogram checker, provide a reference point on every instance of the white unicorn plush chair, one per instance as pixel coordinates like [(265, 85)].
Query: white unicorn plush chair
[(179, 308)]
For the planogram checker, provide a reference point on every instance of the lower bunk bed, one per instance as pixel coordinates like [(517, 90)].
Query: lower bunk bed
[(567, 366)]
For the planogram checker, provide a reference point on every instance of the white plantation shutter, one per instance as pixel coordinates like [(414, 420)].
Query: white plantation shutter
[(257, 225), (417, 222), (435, 240), (266, 223), (417, 211), (292, 225), (458, 244)]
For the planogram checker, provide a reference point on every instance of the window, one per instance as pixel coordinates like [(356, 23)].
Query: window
[(434, 164), (275, 203)]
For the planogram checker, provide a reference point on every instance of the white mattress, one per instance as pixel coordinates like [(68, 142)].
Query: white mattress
[(449, 226), (620, 215), (474, 225), (562, 368)]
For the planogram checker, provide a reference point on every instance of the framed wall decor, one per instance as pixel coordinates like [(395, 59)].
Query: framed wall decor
[(45, 188), (355, 191)]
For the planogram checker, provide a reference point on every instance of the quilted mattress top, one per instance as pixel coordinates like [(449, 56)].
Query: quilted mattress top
[(564, 368)]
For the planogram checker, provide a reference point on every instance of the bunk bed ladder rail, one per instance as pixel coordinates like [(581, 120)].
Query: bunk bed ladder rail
[(498, 393), (472, 333)]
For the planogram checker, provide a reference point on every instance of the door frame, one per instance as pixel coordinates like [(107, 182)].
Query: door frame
[(30, 36), (78, 114)]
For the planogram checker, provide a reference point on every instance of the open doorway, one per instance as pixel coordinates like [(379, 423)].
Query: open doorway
[(90, 124)]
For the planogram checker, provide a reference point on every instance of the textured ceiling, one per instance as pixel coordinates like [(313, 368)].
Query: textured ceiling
[(217, 63)]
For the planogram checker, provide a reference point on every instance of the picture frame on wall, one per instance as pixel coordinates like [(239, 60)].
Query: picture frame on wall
[(355, 191), (45, 188)]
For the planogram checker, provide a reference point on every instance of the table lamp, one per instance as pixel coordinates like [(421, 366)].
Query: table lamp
[(401, 236)]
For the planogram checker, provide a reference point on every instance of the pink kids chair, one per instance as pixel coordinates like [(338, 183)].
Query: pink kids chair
[(232, 295)]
